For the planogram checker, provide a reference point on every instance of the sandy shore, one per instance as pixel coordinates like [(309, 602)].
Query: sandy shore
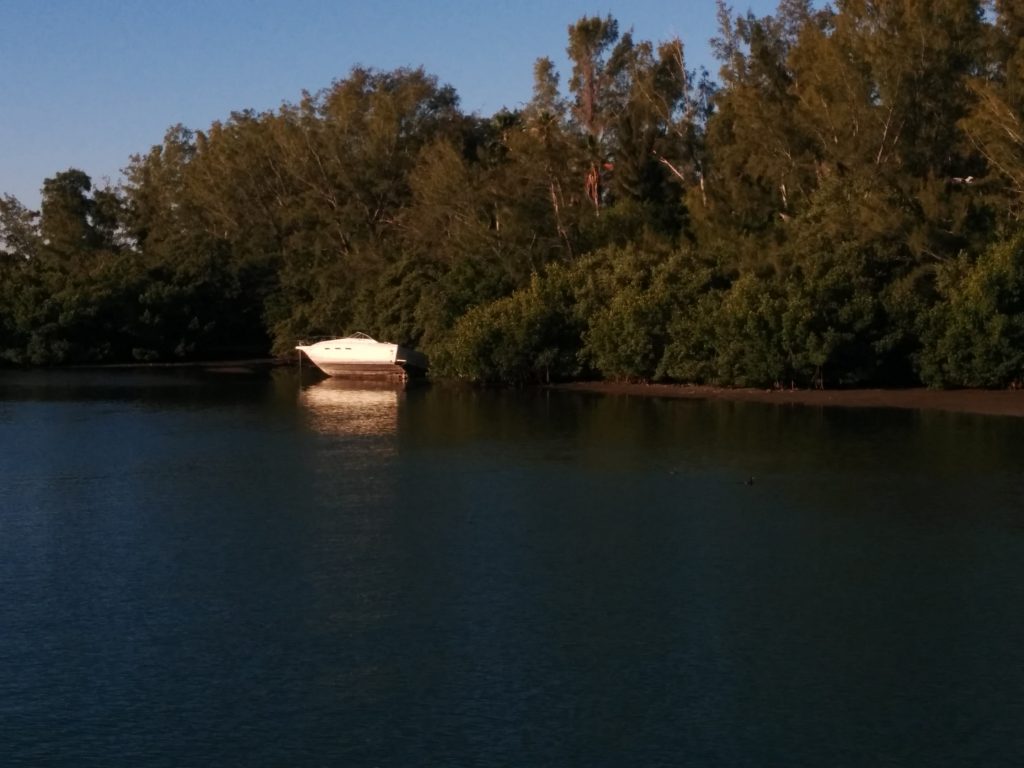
[(981, 401)]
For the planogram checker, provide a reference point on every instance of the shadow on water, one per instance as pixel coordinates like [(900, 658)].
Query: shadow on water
[(163, 386)]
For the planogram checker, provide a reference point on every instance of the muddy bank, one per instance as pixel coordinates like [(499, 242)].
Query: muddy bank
[(980, 401)]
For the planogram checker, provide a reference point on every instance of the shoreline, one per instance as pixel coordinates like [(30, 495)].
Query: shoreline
[(982, 402), (243, 365), (985, 402)]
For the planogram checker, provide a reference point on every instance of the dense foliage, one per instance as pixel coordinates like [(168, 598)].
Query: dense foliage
[(842, 207)]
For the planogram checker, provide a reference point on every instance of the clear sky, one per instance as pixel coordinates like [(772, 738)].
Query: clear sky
[(88, 83)]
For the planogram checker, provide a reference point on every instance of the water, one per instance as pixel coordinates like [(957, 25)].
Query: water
[(216, 570)]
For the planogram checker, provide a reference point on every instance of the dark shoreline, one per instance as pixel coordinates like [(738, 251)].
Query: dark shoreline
[(249, 365), (987, 402), (998, 402)]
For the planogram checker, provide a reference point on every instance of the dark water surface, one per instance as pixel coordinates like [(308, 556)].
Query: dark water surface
[(232, 570)]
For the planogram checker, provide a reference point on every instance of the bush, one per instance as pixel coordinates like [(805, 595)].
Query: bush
[(974, 335), (529, 336)]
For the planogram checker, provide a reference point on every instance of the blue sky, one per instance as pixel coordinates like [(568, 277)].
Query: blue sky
[(88, 84)]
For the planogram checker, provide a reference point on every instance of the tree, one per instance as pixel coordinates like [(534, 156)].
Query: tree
[(590, 42), (656, 130), (995, 123), (66, 224), (347, 152), (19, 231), (762, 160), (19, 244)]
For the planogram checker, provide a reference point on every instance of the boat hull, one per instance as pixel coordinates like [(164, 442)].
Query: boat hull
[(365, 370)]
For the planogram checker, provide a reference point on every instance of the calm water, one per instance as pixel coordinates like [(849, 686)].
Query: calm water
[(245, 570)]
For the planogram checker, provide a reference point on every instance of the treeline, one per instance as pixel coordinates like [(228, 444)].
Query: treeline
[(842, 207)]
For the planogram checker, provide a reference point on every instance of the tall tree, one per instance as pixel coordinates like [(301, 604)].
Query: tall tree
[(920, 56), (545, 153), (590, 44), (762, 161), (656, 130), (19, 231), (66, 223), (19, 246), (995, 123)]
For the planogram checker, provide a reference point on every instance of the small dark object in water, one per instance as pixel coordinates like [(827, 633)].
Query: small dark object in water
[(749, 480)]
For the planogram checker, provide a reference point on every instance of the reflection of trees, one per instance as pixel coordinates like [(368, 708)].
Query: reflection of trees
[(336, 406)]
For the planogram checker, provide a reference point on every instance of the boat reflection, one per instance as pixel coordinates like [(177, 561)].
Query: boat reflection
[(344, 407)]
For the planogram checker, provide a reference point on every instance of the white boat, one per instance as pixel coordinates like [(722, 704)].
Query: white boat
[(359, 355)]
